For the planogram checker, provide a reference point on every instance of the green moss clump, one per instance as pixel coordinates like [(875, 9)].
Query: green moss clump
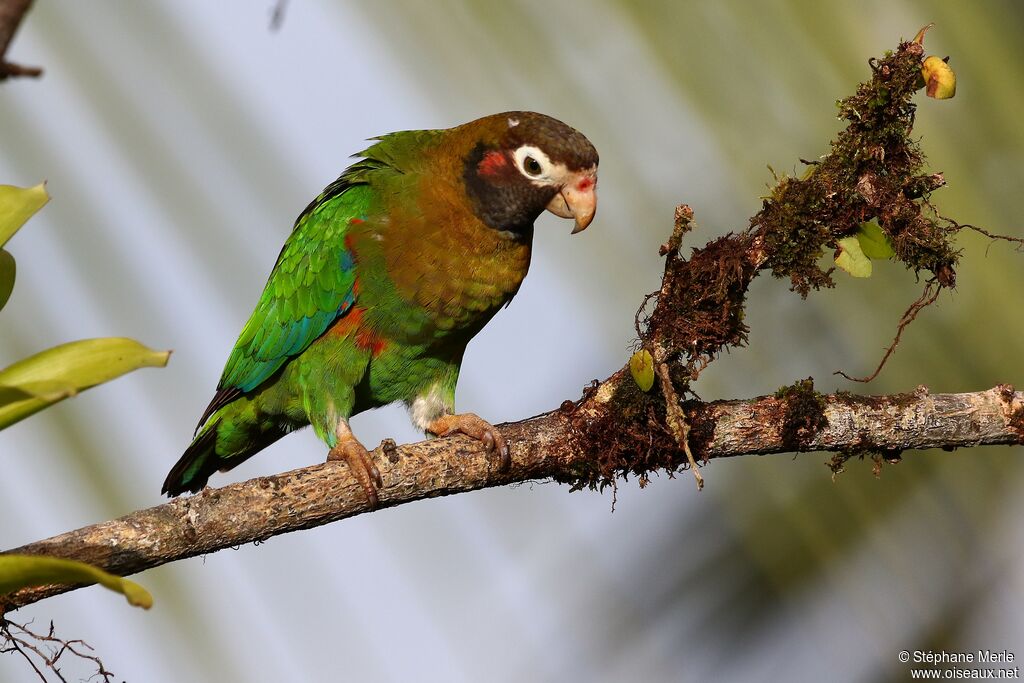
[(873, 171), (804, 416), (628, 436)]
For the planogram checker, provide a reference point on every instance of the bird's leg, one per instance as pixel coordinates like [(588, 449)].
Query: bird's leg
[(474, 426), (358, 459)]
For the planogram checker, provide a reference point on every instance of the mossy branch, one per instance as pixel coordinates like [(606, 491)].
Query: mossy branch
[(543, 447)]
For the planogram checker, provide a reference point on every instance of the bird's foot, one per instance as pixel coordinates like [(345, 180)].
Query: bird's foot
[(474, 426), (359, 462)]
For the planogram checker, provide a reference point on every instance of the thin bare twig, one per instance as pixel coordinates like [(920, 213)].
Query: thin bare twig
[(993, 236), (927, 298), (49, 648), (675, 416), (11, 14)]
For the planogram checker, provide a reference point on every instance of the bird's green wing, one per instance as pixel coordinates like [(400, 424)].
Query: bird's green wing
[(311, 286)]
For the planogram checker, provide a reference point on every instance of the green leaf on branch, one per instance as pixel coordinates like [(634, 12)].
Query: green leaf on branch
[(22, 571), (17, 204), (50, 376), (874, 242), (641, 366), (851, 257), (8, 268)]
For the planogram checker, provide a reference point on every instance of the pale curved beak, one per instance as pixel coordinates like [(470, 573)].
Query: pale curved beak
[(577, 199)]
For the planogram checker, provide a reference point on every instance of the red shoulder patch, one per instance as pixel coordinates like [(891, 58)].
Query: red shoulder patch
[(351, 325), (370, 341), (348, 323)]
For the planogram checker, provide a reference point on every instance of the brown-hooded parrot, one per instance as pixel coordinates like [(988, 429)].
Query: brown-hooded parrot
[(385, 278)]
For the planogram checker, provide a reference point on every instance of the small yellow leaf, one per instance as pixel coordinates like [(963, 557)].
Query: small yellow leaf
[(874, 242), (641, 366), (17, 204), (22, 571), (851, 257), (939, 79), (50, 376)]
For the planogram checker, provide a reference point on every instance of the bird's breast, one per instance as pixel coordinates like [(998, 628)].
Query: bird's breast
[(421, 287), (458, 285)]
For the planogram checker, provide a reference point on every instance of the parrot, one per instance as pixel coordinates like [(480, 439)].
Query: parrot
[(381, 284)]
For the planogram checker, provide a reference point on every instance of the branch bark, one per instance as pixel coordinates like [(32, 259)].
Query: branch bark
[(543, 447), (11, 14)]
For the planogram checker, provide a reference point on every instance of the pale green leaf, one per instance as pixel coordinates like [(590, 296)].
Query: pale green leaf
[(47, 377), (851, 257), (641, 366), (22, 571), (17, 204), (8, 268), (874, 242)]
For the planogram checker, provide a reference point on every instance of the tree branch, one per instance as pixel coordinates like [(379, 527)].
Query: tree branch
[(543, 447), (11, 14)]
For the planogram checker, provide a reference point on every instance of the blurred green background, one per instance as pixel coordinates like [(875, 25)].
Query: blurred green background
[(181, 138)]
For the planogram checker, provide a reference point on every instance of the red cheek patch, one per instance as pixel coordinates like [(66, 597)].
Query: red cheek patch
[(585, 184), (493, 163)]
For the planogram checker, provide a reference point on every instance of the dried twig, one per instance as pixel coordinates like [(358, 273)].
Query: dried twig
[(927, 298), (11, 14), (48, 648)]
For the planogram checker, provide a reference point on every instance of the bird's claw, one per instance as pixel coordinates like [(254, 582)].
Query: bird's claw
[(477, 428), (360, 464)]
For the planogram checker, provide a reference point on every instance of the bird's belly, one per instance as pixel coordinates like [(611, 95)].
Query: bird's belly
[(433, 316), (465, 305), (402, 374)]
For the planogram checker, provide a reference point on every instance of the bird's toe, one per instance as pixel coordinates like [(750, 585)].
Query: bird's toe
[(360, 464)]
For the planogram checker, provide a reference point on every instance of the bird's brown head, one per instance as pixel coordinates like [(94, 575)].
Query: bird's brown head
[(520, 163)]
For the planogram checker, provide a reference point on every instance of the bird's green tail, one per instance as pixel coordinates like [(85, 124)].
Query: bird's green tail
[(227, 437), (196, 464)]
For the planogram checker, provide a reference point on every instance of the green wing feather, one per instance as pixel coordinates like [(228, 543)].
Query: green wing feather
[(313, 282), (311, 286)]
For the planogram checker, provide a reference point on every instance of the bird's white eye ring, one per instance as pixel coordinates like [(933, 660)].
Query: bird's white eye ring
[(533, 163)]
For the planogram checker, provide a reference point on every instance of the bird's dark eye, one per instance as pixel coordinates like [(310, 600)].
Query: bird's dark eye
[(532, 167)]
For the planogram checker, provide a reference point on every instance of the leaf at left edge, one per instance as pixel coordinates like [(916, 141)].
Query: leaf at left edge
[(17, 204), (8, 269), (22, 571), (36, 382), (851, 257)]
